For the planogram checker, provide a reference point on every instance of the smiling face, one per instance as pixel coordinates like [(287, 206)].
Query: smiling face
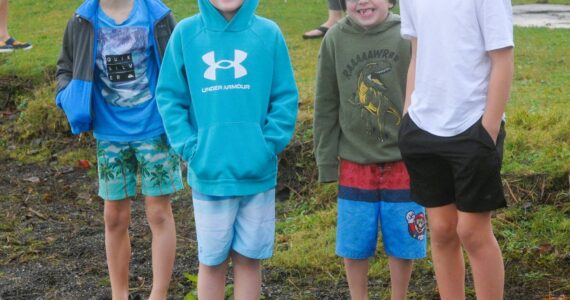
[(228, 8), (368, 13)]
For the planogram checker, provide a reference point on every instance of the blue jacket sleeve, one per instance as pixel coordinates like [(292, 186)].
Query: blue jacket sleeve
[(283, 105), (174, 100)]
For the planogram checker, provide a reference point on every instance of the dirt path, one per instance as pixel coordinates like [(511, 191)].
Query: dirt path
[(53, 242), (52, 246)]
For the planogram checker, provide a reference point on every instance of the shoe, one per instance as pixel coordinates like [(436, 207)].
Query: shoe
[(11, 44), (322, 30)]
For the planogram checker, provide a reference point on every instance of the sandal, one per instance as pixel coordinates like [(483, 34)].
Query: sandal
[(322, 31), (12, 44)]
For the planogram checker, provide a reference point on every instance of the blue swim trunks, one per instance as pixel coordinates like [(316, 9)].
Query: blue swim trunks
[(119, 162), (244, 224), (376, 195)]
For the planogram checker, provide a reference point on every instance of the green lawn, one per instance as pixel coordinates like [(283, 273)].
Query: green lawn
[(538, 139)]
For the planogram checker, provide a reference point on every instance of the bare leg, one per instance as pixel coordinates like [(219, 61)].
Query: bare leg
[(4, 20), (247, 277), (476, 233), (446, 252), (400, 273), (211, 281), (334, 16), (159, 216), (357, 277), (118, 246)]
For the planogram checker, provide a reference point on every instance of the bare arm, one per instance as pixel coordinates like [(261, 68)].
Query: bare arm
[(498, 94), (411, 81)]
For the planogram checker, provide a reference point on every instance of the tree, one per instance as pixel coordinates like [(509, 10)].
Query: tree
[(158, 176), (105, 173), (125, 163)]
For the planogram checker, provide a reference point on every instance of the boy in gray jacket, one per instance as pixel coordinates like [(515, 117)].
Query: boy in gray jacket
[(106, 77)]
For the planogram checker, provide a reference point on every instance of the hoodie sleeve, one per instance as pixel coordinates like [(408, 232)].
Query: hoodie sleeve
[(64, 70), (174, 100), (326, 126), (283, 105)]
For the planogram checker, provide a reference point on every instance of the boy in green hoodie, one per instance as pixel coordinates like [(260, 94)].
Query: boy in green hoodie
[(361, 81)]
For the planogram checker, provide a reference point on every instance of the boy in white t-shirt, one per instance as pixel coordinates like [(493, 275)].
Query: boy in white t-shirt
[(452, 135)]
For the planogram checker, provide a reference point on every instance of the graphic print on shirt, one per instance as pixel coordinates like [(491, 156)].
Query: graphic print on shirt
[(370, 98), (122, 60)]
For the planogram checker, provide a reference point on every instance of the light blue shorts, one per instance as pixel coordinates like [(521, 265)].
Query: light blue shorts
[(244, 224), (119, 162)]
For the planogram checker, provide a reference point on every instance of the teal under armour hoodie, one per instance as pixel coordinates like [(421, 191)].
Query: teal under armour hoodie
[(228, 99)]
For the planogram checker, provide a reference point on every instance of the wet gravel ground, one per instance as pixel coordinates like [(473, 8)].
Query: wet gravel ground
[(52, 241)]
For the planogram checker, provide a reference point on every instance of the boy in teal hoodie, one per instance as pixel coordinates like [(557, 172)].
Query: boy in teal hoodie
[(228, 99)]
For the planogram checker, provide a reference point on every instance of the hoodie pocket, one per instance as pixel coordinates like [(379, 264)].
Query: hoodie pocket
[(75, 101), (232, 151)]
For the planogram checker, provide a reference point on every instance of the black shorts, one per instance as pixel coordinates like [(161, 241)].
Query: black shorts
[(464, 169)]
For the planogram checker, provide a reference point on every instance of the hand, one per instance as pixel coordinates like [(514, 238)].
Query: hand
[(492, 128)]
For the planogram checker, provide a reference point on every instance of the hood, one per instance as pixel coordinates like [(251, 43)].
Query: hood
[(348, 25), (156, 8), (214, 20)]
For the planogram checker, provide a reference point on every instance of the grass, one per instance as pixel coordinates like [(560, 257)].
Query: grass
[(538, 137), (533, 236)]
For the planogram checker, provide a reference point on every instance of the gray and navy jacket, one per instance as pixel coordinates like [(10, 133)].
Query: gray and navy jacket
[(76, 63)]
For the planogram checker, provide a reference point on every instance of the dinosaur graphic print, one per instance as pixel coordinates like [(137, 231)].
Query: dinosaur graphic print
[(371, 98)]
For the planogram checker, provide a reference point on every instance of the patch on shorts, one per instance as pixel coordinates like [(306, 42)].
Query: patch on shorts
[(416, 225)]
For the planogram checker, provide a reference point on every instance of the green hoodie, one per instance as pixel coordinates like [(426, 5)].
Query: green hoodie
[(361, 83)]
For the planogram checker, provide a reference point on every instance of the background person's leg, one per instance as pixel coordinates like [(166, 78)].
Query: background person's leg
[(8, 43), (335, 13), (4, 20)]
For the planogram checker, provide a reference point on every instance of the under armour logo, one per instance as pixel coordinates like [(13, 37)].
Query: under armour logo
[(210, 59)]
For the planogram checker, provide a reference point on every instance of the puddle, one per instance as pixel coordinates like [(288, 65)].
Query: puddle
[(542, 15)]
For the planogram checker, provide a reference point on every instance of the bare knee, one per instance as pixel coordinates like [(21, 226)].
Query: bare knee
[(215, 269), (443, 232), (116, 220), (243, 261), (475, 231), (158, 210), (157, 216), (473, 239)]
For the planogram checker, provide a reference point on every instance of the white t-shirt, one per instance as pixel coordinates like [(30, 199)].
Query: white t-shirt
[(452, 64)]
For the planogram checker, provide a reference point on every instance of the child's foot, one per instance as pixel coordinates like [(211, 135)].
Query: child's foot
[(12, 44)]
